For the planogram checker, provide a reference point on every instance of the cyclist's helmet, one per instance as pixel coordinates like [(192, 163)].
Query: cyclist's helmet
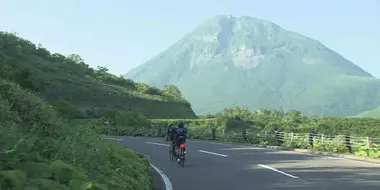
[(181, 124)]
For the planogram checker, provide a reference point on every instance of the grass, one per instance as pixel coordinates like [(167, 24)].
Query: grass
[(86, 91), (39, 150)]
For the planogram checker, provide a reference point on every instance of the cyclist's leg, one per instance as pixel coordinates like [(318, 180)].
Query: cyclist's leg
[(173, 147)]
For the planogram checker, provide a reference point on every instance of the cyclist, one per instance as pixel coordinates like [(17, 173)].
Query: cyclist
[(170, 132), (170, 136), (180, 136)]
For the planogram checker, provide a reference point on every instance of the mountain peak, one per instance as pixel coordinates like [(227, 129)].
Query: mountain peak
[(230, 60), (241, 21), (247, 41)]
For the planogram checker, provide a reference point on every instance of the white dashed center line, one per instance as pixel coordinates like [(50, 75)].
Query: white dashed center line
[(160, 144), (213, 153)]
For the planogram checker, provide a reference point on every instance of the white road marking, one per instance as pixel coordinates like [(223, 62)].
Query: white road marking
[(240, 148), (207, 152), (117, 139), (168, 185), (157, 143), (276, 170)]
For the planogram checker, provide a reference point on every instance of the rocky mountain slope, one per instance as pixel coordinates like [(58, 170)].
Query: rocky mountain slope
[(245, 61)]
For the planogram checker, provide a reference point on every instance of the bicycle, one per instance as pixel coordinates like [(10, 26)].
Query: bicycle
[(181, 156)]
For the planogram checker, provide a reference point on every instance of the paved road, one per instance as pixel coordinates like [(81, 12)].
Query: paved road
[(238, 167)]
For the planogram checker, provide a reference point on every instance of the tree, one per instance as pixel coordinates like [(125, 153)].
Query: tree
[(43, 52), (58, 57), (102, 69), (75, 58), (236, 112), (146, 89), (172, 91)]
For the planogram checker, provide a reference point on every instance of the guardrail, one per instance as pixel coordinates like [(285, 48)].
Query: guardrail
[(360, 146)]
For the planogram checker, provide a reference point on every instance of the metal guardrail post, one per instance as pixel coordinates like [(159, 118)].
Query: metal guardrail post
[(276, 136), (310, 139), (322, 138), (348, 143), (367, 141), (291, 137)]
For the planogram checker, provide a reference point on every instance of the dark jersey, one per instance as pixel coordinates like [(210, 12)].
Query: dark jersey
[(180, 131), (171, 132)]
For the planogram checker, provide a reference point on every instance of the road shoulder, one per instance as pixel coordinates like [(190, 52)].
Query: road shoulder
[(158, 179)]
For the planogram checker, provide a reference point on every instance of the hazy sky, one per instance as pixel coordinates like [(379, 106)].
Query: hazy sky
[(121, 34)]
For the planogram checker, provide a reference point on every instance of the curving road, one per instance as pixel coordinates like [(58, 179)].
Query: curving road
[(223, 166)]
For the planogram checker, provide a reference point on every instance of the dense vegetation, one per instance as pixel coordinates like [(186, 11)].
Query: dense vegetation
[(39, 150), (244, 61), (79, 91), (375, 113), (239, 118), (270, 127), (41, 97), (295, 121)]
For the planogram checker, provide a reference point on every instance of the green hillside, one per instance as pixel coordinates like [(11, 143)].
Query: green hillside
[(375, 113), (244, 61), (80, 91), (38, 150)]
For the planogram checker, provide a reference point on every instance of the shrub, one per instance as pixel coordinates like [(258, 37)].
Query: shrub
[(40, 151)]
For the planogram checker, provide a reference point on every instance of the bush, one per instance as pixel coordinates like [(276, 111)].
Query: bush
[(40, 151), (68, 82), (259, 131)]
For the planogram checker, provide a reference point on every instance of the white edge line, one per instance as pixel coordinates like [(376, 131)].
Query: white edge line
[(276, 170), (168, 185), (117, 139), (157, 143), (207, 152)]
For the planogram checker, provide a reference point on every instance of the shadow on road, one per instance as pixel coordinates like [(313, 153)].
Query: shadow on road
[(241, 170), (314, 172)]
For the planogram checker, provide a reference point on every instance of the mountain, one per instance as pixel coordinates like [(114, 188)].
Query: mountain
[(246, 61), (375, 113), (80, 91)]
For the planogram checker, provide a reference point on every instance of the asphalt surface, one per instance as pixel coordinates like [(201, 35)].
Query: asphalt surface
[(223, 166)]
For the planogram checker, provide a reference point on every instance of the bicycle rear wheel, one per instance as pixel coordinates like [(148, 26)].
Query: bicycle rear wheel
[(182, 158)]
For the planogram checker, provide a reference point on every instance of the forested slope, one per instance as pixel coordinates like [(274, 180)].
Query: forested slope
[(38, 150), (80, 91)]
